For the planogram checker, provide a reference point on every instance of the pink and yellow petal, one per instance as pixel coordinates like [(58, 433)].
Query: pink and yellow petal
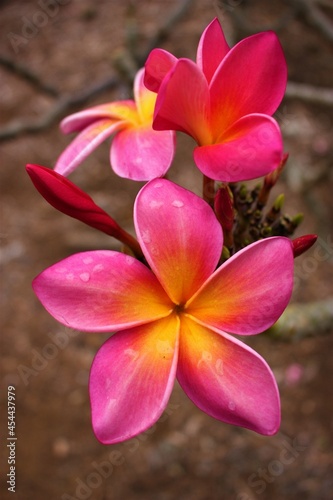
[(131, 379), (144, 99), (250, 291), (158, 64), (226, 379), (179, 235), (183, 102), (141, 153), (252, 78), (212, 49), (101, 291), (86, 142), (119, 110), (249, 149)]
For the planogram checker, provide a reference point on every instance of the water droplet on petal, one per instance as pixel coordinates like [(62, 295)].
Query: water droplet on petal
[(129, 260), (164, 348), (132, 353), (61, 270), (87, 260), (206, 357), (231, 405), (177, 203), (85, 277), (219, 367), (98, 268), (145, 235), (156, 204)]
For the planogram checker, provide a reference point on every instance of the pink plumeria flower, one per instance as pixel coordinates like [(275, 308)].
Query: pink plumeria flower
[(138, 152), (224, 101), (175, 319)]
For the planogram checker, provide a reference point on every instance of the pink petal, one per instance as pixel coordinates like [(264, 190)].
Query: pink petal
[(158, 64), (179, 235), (183, 102), (119, 110), (250, 291), (251, 148), (131, 379), (251, 79), (144, 99), (101, 291), (141, 153), (212, 49), (85, 143), (227, 379)]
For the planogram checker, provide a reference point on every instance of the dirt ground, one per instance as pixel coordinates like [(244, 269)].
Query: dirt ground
[(73, 45)]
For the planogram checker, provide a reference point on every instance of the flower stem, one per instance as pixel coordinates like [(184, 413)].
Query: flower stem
[(208, 190), (133, 244)]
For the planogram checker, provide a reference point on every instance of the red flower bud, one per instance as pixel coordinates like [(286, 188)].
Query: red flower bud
[(303, 243), (66, 197), (224, 207)]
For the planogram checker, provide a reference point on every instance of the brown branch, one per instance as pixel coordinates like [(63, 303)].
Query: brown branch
[(304, 320), (245, 27), (319, 95), (162, 33), (25, 73), (315, 17), (63, 104)]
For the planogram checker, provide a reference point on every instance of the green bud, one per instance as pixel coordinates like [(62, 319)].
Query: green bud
[(296, 221), (279, 202), (225, 253)]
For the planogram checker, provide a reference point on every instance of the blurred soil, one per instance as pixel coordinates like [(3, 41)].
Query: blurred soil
[(187, 455)]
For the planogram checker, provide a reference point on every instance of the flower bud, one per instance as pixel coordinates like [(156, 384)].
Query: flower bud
[(303, 243), (224, 207)]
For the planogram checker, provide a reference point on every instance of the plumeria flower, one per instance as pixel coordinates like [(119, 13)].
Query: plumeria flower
[(174, 319), (224, 101), (138, 152)]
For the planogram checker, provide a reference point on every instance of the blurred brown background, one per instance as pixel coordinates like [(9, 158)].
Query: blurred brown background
[(72, 46)]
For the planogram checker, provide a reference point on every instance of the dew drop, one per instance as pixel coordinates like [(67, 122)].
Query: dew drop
[(146, 236), (129, 260), (231, 405), (132, 353), (219, 367), (164, 348), (206, 357), (156, 204), (177, 203), (85, 277), (98, 268), (87, 260), (61, 270)]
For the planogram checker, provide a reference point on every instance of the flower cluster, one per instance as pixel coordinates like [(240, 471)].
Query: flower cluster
[(199, 269)]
